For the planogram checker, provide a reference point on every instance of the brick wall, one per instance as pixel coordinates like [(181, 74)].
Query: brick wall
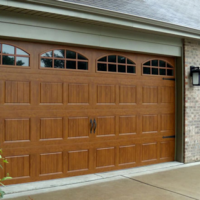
[(192, 103)]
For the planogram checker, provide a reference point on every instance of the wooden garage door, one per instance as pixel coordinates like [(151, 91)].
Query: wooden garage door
[(68, 111)]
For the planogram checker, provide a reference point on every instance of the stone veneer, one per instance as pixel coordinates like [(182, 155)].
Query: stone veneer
[(192, 103)]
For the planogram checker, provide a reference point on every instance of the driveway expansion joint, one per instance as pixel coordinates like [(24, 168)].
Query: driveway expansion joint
[(159, 187)]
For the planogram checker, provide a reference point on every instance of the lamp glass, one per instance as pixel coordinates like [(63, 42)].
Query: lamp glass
[(195, 78)]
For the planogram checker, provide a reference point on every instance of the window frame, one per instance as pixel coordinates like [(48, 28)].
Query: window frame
[(15, 55), (64, 59), (158, 67), (116, 63)]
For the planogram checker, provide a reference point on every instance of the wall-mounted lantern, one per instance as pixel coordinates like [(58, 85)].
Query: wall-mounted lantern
[(195, 74)]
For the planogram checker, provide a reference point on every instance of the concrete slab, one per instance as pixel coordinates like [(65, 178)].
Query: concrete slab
[(161, 177), (112, 189), (185, 181)]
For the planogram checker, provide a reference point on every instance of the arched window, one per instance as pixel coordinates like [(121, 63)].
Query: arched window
[(63, 59), (158, 67), (116, 63), (11, 55)]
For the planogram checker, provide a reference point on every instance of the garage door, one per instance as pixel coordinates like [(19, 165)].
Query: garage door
[(69, 111)]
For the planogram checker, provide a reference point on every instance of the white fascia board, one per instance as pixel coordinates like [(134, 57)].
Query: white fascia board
[(63, 8)]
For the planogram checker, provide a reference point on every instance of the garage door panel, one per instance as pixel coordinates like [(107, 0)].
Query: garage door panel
[(167, 94), (78, 94), (2, 96), (167, 122), (106, 94), (150, 94), (51, 93), (128, 125), (19, 167), (106, 126), (127, 155), (78, 127), (17, 92), (78, 160), (51, 163), (127, 94), (167, 150), (16, 130), (105, 157), (150, 123), (149, 152), (51, 128)]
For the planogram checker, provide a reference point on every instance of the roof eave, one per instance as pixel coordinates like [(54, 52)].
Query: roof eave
[(105, 16)]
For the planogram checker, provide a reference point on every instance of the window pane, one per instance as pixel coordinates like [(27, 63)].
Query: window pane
[(121, 59), (121, 68), (154, 62), (81, 57), (20, 52), (0, 48), (162, 63), (8, 60), (147, 63), (168, 65), (131, 69), (83, 65), (146, 70), (59, 53), (170, 72), (48, 54), (71, 54), (102, 67), (104, 59), (8, 49), (71, 64), (59, 64), (111, 58), (155, 71), (162, 72), (22, 61), (112, 68), (130, 62), (46, 62)]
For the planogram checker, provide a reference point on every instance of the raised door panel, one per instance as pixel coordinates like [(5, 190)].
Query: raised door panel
[(127, 94), (78, 127), (78, 94), (51, 163), (78, 160), (106, 126), (105, 157), (51, 93), (17, 92), (167, 122), (149, 152), (167, 150), (106, 94), (18, 166), (127, 155), (16, 130), (51, 128), (127, 125), (149, 124), (167, 94), (149, 95)]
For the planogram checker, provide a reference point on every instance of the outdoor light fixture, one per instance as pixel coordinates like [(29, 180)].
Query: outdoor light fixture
[(195, 73)]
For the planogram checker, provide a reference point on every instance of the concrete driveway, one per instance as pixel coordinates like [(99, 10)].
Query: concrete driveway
[(181, 183)]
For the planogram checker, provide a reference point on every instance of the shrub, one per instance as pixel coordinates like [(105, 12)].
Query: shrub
[(3, 160)]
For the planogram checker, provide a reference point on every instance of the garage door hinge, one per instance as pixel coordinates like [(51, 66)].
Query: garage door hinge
[(171, 136)]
